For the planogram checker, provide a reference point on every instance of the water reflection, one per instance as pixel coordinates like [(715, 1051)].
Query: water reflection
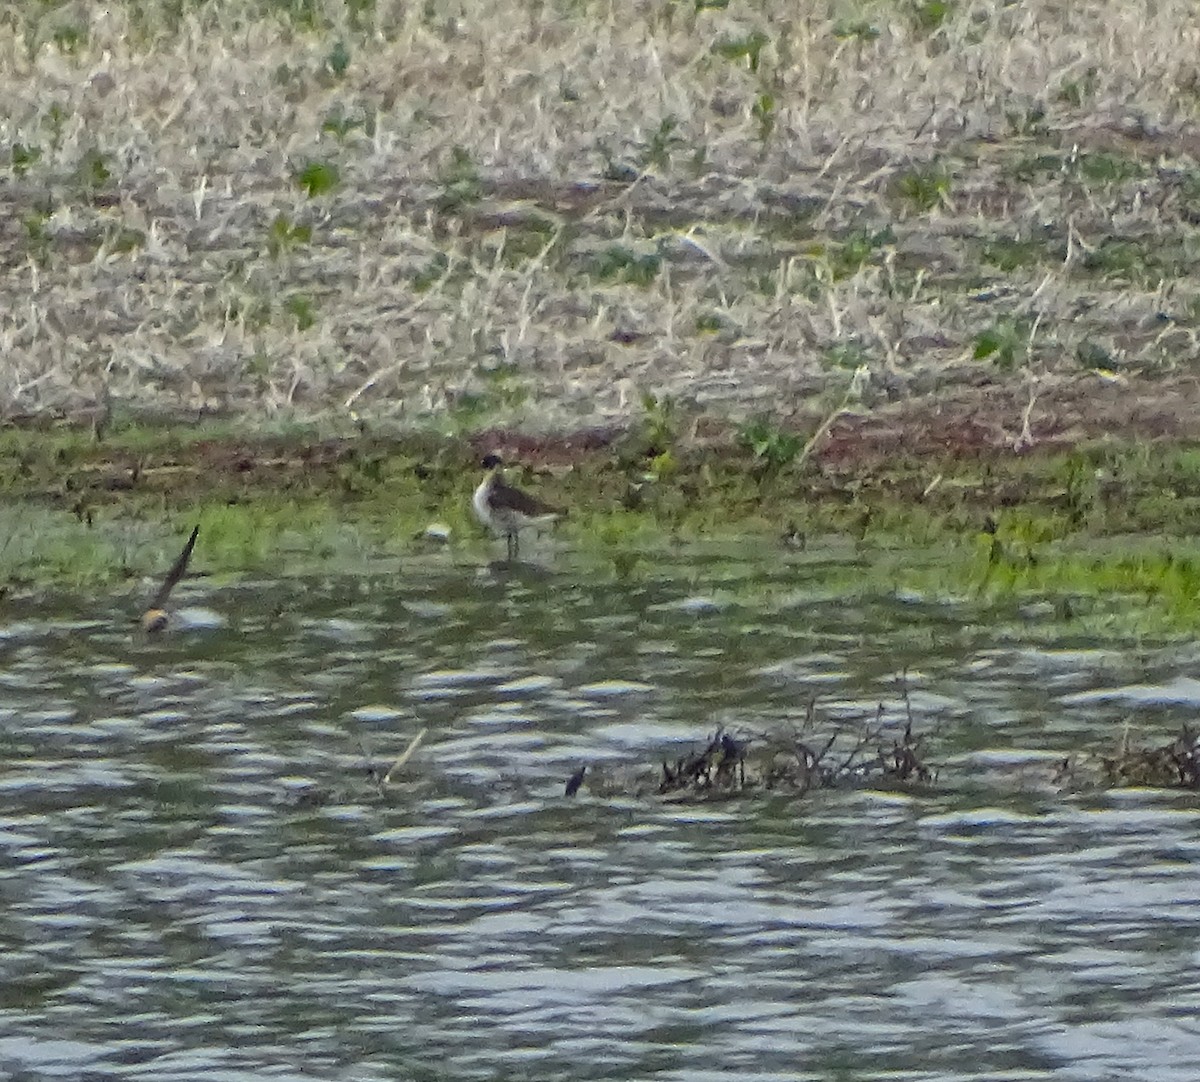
[(200, 880)]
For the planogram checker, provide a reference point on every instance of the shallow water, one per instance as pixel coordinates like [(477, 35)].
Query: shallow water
[(199, 880)]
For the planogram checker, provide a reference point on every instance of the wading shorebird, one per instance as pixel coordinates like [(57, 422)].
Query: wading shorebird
[(155, 618), (507, 510)]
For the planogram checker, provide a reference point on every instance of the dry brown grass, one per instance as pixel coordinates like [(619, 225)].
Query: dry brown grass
[(882, 190)]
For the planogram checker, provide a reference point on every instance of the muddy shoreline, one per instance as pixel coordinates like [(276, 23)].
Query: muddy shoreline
[(1011, 427)]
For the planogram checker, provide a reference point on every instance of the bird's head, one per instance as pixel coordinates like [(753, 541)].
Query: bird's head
[(154, 620)]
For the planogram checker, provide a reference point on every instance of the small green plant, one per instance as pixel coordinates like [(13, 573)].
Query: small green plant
[(857, 248), (534, 238), (259, 365), (93, 171), (361, 471), (460, 181), (432, 273), (284, 235), (1093, 356), (1002, 342), (304, 13), (765, 283), (925, 188), (1101, 168), (340, 125), (749, 48), (661, 466), (857, 30), (504, 387), (709, 323), (618, 263), (1034, 166), (56, 119), (711, 5), (317, 178), (22, 158), (771, 446), (763, 111), (656, 151), (1124, 261), (300, 307), (70, 37), (358, 12), (1030, 120), (660, 421), (122, 240), (1082, 488), (468, 407), (1075, 92), (1009, 254), (930, 15), (338, 60), (848, 355), (37, 235), (252, 312)]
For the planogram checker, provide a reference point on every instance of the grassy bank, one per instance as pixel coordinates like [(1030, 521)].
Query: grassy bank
[(1101, 530)]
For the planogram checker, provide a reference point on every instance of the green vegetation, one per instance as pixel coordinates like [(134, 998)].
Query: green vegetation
[(746, 48), (663, 142), (93, 171), (856, 30), (925, 188), (338, 61), (772, 447), (856, 249), (931, 15), (285, 236), (317, 178), (300, 308), (342, 125), (460, 182), (763, 111), (1009, 254), (1004, 343), (23, 158), (1104, 534), (617, 263)]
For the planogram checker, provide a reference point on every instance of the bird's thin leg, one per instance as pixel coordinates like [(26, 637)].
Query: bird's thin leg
[(512, 544)]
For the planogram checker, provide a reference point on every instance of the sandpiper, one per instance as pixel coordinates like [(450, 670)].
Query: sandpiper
[(507, 510), (155, 618)]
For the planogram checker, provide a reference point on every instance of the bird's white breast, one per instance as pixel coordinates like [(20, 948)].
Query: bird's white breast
[(481, 505)]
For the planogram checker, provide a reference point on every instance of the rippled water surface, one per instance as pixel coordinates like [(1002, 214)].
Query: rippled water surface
[(198, 878)]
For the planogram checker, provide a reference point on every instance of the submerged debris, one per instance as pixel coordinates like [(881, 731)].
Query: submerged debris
[(382, 779), (811, 755), (1175, 765), (720, 766), (866, 755)]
